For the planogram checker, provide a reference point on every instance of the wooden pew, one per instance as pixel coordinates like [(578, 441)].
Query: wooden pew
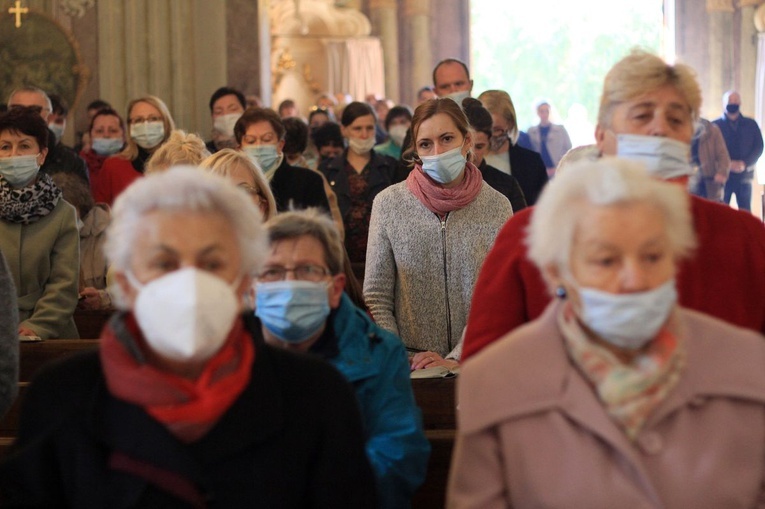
[(89, 323), (435, 397)]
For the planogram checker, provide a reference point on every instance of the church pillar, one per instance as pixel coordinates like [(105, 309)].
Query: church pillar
[(720, 49), (748, 60), (383, 15), (418, 14)]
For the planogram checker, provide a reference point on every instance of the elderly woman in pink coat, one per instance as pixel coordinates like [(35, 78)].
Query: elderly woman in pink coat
[(615, 396)]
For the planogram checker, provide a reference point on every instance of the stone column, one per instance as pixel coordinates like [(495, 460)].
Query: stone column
[(720, 43), (383, 15), (748, 60), (417, 13)]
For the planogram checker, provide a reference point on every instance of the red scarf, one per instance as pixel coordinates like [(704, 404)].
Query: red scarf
[(439, 199), (189, 408)]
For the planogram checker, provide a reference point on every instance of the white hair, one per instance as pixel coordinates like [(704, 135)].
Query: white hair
[(608, 181), (186, 189)]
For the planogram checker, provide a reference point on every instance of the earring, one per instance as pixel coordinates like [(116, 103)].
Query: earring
[(560, 292)]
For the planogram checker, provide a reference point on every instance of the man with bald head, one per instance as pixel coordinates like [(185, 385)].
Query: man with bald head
[(744, 141), (451, 78), (60, 159)]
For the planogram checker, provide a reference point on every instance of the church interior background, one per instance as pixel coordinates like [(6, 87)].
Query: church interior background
[(182, 50)]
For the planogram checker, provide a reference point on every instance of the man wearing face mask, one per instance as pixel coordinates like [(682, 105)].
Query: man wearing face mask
[(744, 141), (647, 113), (302, 307), (226, 106), (61, 159), (451, 78)]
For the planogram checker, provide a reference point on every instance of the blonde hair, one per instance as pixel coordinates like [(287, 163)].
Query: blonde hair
[(222, 163), (498, 102), (130, 151), (181, 148), (641, 72), (605, 182)]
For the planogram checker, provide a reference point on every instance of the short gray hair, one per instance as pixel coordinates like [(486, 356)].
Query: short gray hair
[(185, 189), (314, 223), (36, 90), (609, 181)]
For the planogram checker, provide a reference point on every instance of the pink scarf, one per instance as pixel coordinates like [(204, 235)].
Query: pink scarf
[(437, 198)]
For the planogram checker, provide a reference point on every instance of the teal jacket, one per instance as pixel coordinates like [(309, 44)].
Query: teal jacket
[(375, 362)]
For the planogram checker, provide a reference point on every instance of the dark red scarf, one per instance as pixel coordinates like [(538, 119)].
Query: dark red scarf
[(189, 408)]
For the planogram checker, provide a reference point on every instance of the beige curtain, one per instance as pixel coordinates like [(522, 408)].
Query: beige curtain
[(355, 66)]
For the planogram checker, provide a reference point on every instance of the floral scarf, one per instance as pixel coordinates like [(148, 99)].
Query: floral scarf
[(28, 204), (629, 392)]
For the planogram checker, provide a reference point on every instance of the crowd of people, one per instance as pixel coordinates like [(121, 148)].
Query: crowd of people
[(275, 286)]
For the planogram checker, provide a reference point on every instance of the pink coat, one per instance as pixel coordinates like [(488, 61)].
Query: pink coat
[(532, 433)]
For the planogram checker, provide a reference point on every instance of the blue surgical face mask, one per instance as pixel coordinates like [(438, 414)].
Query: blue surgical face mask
[(665, 158), (265, 156), (627, 320), (107, 146), (444, 167), (19, 170), (292, 310), (148, 135)]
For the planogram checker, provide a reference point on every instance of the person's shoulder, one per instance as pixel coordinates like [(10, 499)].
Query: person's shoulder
[(300, 173), (723, 357), (297, 369), (491, 199), (719, 216), (531, 359), (62, 381), (394, 193)]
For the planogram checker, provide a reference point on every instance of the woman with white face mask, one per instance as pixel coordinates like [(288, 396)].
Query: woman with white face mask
[(428, 237), (38, 230), (665, 406), (183, 401), (357, 176), (149, 126), (397, 123)]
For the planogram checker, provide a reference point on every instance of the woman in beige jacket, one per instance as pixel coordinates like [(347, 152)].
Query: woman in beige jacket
[(615, 396)]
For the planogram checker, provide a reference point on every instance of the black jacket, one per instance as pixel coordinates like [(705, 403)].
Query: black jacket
[(62, 159), (298, 188), (382, 174), (505, 184), (293, 439), (530, 172)]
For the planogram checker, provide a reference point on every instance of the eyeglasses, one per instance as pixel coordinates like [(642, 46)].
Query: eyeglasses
[(498, 132), (252, 191), (313, 273), (142, 120)]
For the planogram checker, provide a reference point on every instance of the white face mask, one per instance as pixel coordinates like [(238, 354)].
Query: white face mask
[(58, 130), (148, 135), (627, 320), (397, 134), (224, 124), (665, 158), (361, 147), (187, 314), (458, 96), (19, 170)]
